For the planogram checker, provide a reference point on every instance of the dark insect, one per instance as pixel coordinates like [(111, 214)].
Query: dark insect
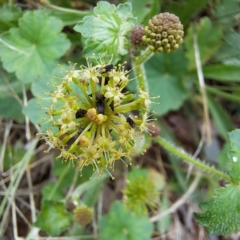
[(80, 113), (100, 102), (131, 122), (107, 68)]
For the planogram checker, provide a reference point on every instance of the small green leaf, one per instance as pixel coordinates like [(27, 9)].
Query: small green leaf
[(11, 109), (222, 72), (9, 16), (35, 46), (221, 214), (53, 218), (164, 73), (234, 155), (105, 31), (120, 224), (208, 38)]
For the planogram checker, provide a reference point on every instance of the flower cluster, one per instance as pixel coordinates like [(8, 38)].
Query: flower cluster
[(91, 116), (164, 33)]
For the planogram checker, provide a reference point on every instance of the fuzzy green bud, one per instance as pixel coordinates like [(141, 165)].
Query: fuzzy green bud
[(82, 215)]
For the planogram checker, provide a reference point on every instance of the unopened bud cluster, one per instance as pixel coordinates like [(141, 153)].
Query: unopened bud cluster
[(164, 33), (91, 117)]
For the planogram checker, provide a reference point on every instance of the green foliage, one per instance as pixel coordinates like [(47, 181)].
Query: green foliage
[(105, 31), (32, 49), (13, 155), (208, 38), (221, 214), (165, 74), (184, 9), (11, 109), (222, 72), (53, 218), (234, 155), (228, 53), (121, 224), (9, 16), (220, 117)]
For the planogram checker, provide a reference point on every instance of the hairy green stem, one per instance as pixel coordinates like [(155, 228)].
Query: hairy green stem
[(186, 157), (138, 67)]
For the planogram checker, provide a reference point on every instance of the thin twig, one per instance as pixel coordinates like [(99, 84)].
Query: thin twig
[(179, 202), (28, 133), (207, 128), (5, 137), (195, 155), (31, 197)]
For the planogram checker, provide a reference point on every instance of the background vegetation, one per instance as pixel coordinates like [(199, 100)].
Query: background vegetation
[(38, 193)]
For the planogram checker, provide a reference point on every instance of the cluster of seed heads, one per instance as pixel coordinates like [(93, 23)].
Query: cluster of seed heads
[(164, 33)]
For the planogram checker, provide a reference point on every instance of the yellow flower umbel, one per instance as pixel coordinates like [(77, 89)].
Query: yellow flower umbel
[(90, 115)]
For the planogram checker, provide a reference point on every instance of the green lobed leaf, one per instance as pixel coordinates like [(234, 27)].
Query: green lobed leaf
[(164, 74), (53, 218), (234, 155), (9, 16), (221, 214), (208, 38), (121, 224), (222, 72), (105, 31), (35, 46)]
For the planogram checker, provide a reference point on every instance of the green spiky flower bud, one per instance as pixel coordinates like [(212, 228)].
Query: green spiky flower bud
[(164, 33), (82, 215)]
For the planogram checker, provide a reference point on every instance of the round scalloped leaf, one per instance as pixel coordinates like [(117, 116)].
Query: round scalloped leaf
[(221, 214), (105, 31), (121, 224), (53, 218), (164, 73), (32, 49)]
